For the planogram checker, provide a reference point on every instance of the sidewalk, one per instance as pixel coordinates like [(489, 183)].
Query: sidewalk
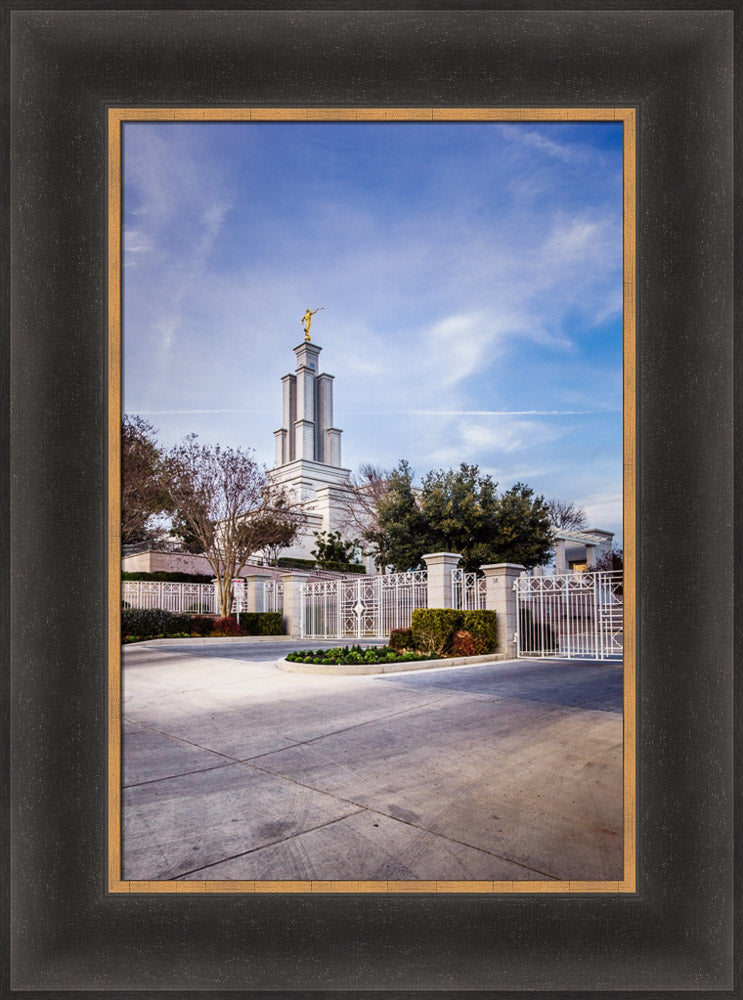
[(500, 771)]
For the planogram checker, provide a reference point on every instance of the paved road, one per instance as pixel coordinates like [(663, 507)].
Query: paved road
[(236, 770)]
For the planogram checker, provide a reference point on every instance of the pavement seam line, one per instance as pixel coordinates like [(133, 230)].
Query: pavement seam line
[(268, 753), (181, 774), (348, 729), (271, 843), (414, 826), (190, 743)]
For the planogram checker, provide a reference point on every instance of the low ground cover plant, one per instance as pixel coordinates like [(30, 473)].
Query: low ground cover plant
[(355, 655), (138, 624)]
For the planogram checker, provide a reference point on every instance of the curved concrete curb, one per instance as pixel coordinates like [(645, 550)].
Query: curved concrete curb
[(215, 639), (354, 669)]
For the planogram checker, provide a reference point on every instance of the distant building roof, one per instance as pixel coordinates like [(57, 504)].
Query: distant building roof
[(593, 536)]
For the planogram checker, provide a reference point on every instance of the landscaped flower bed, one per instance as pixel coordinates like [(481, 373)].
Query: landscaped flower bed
[(355, 654)]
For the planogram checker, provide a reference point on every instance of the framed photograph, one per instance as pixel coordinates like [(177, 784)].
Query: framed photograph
[(427, 342), (662, 82)]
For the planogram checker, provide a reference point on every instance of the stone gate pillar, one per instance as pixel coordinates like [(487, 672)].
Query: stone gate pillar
[(440, 566), (501, 598), (293, 602), (255, 596)]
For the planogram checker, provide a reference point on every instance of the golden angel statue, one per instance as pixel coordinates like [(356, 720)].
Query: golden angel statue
[(307, 319)]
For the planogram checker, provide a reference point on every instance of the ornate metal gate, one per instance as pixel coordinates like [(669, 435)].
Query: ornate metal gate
[(468, 590), (575, 616), (362, 607)]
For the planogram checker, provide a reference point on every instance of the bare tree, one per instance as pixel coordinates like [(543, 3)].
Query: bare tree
[(283, 536), (224, 498), (566, 515), (360, 501), (142, 496), (612, 560)]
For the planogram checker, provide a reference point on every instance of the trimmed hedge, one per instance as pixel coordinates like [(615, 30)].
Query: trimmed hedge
[(149, 622), (434, 628), (401, 638), (338, 567), (202, 624), (483, 627), (165, 577), (262, 622), (153, 621), (341, 567)]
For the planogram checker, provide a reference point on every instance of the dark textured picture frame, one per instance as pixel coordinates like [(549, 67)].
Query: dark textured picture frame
[(67, 932)]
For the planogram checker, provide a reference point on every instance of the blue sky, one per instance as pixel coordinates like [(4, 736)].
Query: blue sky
[(470, 274)]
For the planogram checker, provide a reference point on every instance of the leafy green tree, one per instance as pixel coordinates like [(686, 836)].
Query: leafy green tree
[(331, 549), (524, 530), (459, 510), (399, 536), (142, 495)]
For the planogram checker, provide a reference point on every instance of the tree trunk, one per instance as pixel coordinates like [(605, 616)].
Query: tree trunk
[(224, 594)]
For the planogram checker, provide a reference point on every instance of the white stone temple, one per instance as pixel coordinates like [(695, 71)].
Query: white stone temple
[(308, 451)]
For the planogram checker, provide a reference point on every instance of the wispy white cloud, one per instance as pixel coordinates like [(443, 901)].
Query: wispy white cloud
[(462, 320), (603, 508), (505, 413), (567, 153), (152, 413)]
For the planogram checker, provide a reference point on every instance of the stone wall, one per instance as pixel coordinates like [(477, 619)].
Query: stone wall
[(182, 562)]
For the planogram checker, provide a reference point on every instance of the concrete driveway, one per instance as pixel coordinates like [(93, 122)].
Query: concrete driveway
[(236, 770)]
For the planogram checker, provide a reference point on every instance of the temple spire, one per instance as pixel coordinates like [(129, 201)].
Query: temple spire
[(307, 432)]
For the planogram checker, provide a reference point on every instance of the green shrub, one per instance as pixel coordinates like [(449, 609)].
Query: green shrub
[(401, 638), (153, 621), (433, 628), (341, 567), (262, 622), (483, 627), (462, 644), (202, 624), (166, 577), (226, 627)]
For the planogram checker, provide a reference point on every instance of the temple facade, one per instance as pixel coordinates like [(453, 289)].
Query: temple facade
[(308, 451)]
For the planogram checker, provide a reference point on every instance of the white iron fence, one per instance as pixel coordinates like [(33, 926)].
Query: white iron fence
[(270, 597), (572, 616), (273, 596), (196, 598), (362, 607), (468, 590)]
